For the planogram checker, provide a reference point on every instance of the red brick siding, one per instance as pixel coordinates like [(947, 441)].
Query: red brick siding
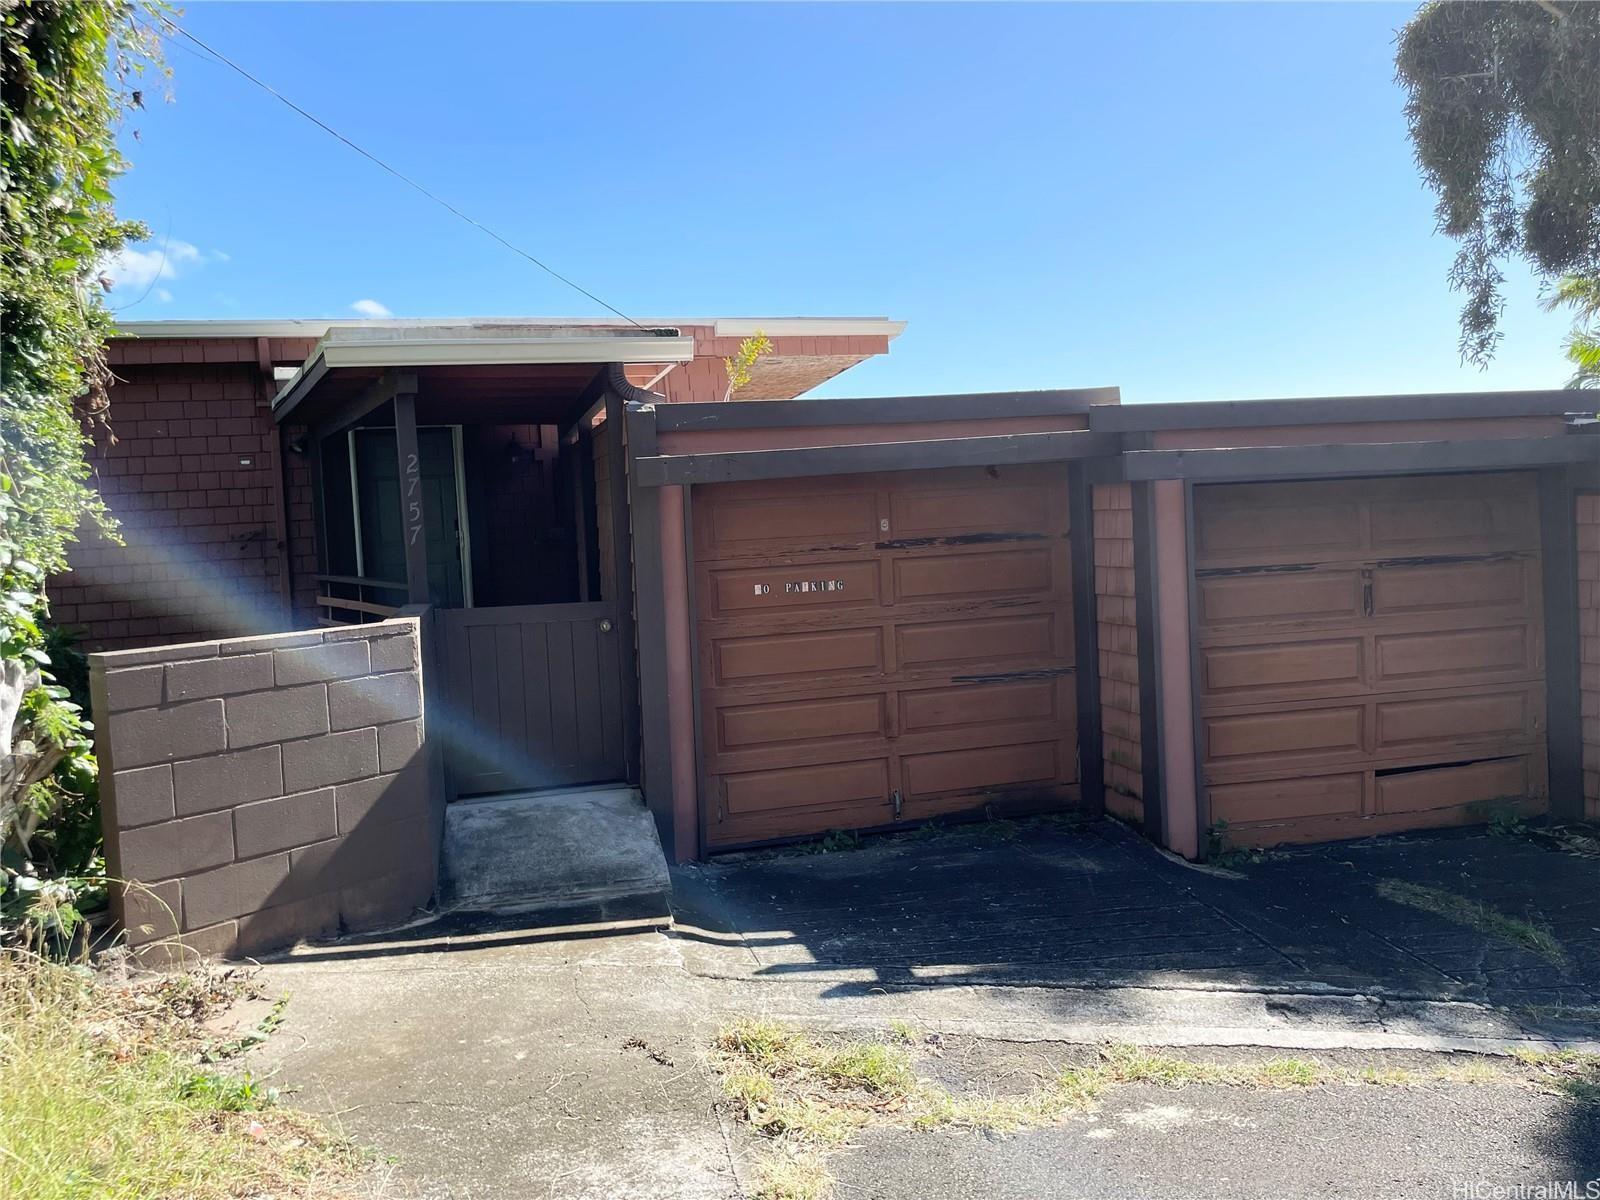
[(200, 554), (1589, 643), (1119, 650)]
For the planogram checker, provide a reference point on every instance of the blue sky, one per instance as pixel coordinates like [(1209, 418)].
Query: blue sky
[(1191, 201)]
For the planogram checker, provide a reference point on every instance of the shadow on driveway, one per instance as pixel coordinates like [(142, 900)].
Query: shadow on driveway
[(1045, 903)]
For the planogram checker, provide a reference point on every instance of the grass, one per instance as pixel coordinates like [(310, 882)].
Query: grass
[(103, 1094), (811, 1094), (1475, 915)]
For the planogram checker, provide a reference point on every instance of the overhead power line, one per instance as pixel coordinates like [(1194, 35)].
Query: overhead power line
[(398, 174)]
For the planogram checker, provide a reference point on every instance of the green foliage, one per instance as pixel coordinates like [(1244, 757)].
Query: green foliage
[(739, 367), (1582, 296), (1501, 102), (68, 70)]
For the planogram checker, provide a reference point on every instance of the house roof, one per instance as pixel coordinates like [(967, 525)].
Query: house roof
[(318, 327)]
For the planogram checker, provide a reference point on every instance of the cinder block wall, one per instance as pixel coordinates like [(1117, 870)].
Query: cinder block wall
[(1589, 643), (1119, 650), (266, 789)]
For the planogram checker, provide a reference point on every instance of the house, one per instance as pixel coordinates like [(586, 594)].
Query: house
[(377, 572)]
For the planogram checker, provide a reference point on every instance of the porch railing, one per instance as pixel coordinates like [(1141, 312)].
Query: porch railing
[(356, 600)]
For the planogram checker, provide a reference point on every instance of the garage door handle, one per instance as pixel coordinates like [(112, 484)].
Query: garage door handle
[(1366, 594)]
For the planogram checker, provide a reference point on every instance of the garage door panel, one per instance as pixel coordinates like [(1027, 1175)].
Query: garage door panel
[(982, 769), (1499, 583), (1404, 659), (1299, 597), (816, 653), (1249, 670), (982, 508), (813, 587), (1454, 786), (800, 722), (798, 800), (1372, 691), (1282, 734), (1025, 571), (1455, 721), (740, 522), (1033, 638), (1478, 516), (1289, 799), (1276, 527), (916, 625), (942, 709)]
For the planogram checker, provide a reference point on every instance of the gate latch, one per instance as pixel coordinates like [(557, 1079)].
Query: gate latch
[(895, 796)]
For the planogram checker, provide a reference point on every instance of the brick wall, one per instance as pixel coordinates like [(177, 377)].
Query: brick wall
[(261, 790), (1589, 643), (1119, 650), (192, 478)]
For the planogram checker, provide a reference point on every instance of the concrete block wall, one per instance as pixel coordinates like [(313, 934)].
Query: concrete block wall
[(1589, 646), (266, 789), (1119, 650)]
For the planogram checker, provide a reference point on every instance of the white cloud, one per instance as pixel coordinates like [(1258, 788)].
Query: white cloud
[(134, 269), (370, 308)]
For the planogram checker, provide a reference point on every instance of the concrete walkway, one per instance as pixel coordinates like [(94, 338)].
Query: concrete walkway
[(570, 1061)]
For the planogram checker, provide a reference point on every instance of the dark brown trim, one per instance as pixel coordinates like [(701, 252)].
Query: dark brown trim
[(702, 782), (413, 516), (617, 465), (738, 465), (277, 470), (1330, 410), (880, 410), (1144, 601), (1086, 639), (655, 743), (304, 386), (353, 408), (1558, 492), (1202, 795), (1352, 458)]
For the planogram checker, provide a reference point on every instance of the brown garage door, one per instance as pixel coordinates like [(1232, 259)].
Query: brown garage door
[(882, 649), (1371, 653)]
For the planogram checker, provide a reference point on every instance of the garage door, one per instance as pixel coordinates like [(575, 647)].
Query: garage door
[(1371, 653), (882, 649)]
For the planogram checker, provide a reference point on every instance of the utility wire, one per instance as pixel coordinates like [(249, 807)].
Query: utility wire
[(400, 175)]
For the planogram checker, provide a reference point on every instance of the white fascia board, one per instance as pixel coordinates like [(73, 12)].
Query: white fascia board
[(320, 328), (466, 352), (342, 350), (808, 327)]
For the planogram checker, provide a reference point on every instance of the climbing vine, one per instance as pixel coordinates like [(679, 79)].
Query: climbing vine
[(69, 71)]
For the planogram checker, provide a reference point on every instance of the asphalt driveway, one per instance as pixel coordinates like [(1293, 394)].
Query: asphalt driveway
[(1505, 920)]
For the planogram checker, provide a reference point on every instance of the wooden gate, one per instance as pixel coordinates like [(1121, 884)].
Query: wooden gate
[(534, 696)]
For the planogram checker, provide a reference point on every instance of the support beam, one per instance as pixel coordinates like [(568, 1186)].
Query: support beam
[(1180, 785), (413, 523), (679, 677), (1564, 704)]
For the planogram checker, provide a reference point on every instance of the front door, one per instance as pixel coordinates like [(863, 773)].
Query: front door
[(378, 507), (532, 696)]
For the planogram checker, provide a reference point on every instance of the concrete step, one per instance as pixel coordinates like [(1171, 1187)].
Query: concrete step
[(553, 849)]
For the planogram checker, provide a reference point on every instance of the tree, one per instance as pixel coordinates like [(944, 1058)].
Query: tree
[(1503, 103), (69, 70), (1583, 343), (741, 366)]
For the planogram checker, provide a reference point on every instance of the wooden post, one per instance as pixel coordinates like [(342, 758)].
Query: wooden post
[(412, 523)]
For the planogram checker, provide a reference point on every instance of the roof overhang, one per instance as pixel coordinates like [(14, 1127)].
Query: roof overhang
[(407, 347), (319, 328)]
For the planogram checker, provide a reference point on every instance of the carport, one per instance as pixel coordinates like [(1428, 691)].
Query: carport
[(861, 613), (1352, 616)]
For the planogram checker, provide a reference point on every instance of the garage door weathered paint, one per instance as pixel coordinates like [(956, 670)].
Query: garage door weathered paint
[(1370, 653), (882, 649)]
